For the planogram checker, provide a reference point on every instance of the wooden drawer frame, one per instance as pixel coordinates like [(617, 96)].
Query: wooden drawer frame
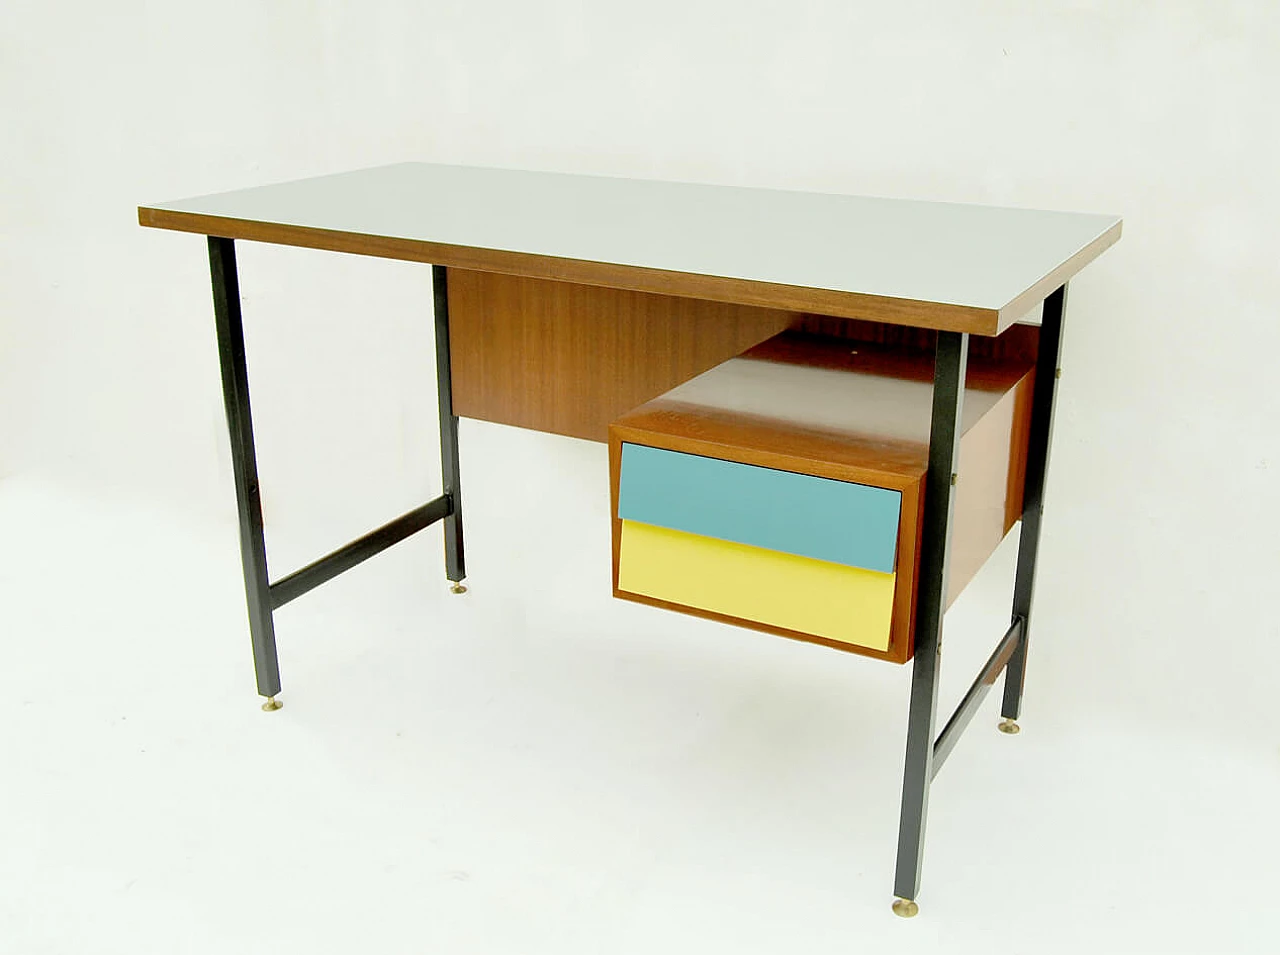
[(907, 565)]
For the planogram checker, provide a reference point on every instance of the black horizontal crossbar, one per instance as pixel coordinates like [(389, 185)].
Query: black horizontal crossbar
[(987, 677), (359, 550)]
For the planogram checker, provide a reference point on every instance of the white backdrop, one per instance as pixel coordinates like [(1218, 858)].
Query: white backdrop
[(1160, 545)]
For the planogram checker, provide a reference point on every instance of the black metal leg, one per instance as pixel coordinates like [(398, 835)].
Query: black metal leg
[(263, 596), (235, 395), (944, 457), (454, 556), (1042, 402)]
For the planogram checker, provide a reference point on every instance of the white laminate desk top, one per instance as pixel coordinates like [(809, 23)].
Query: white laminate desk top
[(999, 260)]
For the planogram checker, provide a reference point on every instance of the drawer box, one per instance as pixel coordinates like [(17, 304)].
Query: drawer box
[(800, 594), (798, 514)]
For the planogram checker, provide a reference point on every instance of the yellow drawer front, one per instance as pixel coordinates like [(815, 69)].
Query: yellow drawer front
[(823, 599)]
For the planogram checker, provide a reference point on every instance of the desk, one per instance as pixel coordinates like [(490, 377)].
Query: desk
[(680, 322)]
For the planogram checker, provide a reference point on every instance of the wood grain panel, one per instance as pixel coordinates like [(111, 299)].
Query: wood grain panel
[(567, 358), (1018, 343), (988, 501), (1019, 437)]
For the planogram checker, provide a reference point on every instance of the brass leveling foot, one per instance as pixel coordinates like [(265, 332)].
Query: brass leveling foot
[(905, 908)]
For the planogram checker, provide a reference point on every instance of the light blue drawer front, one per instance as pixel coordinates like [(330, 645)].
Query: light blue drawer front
[(845, 523)]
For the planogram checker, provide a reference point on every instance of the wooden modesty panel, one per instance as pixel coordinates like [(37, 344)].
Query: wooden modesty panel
[(569, 359)]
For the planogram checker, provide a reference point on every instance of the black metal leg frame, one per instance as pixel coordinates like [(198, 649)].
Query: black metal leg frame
[(263, 596), (925, 753)]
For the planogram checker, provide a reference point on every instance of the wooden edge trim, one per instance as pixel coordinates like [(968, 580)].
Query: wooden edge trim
[(1019, 439), (902, 633), (1022, 304), (615, 522), (627, 433), (893, 311), (888, 655)]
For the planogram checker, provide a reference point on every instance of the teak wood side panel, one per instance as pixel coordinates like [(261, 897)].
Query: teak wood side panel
[(993, 463), (569, 359)]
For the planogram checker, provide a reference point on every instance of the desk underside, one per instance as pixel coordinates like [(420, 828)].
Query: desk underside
[(569, 359)]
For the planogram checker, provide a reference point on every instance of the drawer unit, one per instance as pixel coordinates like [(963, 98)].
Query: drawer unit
[(796, 551), (783, 490)]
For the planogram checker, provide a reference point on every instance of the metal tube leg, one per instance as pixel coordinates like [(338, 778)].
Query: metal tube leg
[(944, 457), (235, 395), (1042, 401), (454, 555)]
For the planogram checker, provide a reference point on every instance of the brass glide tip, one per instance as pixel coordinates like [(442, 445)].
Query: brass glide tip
[(272, 704), (458, 587), (905, 908), (1010, 727)]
